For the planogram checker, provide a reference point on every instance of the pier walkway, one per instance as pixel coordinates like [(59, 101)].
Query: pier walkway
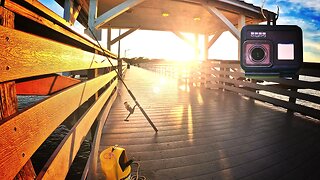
[(209, 134)]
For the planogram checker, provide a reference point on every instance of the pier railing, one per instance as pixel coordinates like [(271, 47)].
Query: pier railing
[(41, 55), (297, 94)]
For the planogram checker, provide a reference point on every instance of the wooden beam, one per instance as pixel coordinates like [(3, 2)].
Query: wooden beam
[(183, 38), (44, 85), (116, 11), (60, 162), (123, 35), (24, 55), (25, 132), (215, 12), (214, 38)]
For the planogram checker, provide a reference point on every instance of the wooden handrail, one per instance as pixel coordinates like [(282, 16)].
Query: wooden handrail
[(229, 76), (52, 21), (27, 55), (70, 145), (43, 44), (24, 133)]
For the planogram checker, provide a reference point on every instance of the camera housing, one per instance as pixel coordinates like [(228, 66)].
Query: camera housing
[(271, 50)]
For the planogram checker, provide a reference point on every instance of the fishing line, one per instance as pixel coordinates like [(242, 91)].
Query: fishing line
[(125, 85)]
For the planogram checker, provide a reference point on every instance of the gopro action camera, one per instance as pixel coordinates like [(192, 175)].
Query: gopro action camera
[(271, 50)]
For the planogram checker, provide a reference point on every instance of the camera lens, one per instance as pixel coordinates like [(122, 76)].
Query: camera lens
[(258, 54)]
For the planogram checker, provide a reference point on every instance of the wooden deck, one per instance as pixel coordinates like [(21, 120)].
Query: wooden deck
[(209, 134)]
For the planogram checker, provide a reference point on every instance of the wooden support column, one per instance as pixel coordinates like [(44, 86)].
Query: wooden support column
[(193, 44), (293, 99), (9, 102), (241, 23), (119, 59), (109, 39), (92, 15), (71, 11), (206, 48), (196, 47)]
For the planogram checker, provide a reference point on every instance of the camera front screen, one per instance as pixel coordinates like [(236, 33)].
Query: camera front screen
[(285, 52)]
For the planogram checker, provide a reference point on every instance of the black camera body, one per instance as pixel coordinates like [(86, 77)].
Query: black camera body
[(271, 50)]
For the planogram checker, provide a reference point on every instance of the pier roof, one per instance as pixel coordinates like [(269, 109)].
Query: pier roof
[(172, 15)]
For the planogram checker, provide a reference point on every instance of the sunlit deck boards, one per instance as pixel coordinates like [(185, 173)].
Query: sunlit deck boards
[(209, 134)]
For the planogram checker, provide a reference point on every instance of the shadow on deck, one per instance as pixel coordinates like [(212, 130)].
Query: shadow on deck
[(209, 134)]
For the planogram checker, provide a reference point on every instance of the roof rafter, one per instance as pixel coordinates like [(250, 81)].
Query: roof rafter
[(115, 11)]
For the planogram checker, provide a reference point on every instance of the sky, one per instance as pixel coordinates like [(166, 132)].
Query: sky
[(166, 45)]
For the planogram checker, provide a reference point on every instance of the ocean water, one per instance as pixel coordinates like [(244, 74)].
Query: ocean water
[(41, 156)]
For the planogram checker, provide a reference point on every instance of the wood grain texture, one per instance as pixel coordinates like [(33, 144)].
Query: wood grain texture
[(59, 163), (8, 101), (6, 17), (25, 55), (59, 24), (25, 132)]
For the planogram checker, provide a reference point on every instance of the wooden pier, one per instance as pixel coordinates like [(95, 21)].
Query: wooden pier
[(214, 123), (209, 134)]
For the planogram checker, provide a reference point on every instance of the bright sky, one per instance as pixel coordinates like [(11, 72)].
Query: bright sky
[(166, 45)]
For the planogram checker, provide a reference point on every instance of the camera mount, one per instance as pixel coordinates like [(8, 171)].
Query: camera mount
[(269, 18)]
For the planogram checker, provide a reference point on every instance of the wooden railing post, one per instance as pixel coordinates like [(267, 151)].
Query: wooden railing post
[(93, 73), (293, 99), (8, 101), (221, 75)]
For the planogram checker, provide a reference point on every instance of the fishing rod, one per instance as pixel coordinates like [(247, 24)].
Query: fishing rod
[(125, 85)]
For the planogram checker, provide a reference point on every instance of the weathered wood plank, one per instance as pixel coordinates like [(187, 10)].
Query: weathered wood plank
[(8, 101), (6, 18), (8, 89), (205, 132), (25, 132), (26, 55), (59, 163), (60, 25)]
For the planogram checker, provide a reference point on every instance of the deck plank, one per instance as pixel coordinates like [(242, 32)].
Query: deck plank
[(209, 134)]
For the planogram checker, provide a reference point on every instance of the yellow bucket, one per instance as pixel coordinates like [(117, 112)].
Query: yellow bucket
[(115, 164)]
